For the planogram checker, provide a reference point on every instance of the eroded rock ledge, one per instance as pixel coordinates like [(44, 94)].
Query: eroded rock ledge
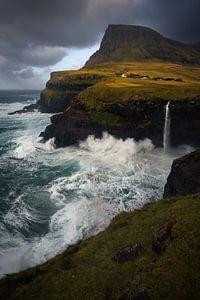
[(184, 178)]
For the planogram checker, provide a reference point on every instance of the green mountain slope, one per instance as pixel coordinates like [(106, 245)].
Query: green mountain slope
[(126, 43)]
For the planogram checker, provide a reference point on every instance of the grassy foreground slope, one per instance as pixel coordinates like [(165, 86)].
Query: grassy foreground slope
[(87, 270)]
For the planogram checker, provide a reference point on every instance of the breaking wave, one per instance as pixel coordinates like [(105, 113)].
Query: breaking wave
[(52, 198)]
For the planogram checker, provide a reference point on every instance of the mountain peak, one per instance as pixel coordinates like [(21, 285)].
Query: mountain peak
[(125, 27), (129, 43)]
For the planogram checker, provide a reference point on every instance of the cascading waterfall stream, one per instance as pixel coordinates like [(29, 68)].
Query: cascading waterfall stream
[(166, 132)]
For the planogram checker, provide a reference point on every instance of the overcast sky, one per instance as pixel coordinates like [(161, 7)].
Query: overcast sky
[(38, 36)]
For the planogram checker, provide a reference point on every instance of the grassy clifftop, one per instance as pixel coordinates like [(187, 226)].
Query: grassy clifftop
[(96, 86), (155, 63), (88, 271), (155, 85), (152, 83)]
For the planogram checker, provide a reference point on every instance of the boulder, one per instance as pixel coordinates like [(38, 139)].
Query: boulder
[(161, 235), (127, 254)]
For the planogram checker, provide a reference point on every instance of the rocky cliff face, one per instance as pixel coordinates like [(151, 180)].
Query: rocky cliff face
[(127, 99), (62, 88), (128, 107), (139, 120), (185, 122), (122, 43), (184, 178)]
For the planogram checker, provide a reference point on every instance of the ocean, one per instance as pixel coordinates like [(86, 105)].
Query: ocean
[(51, 198)]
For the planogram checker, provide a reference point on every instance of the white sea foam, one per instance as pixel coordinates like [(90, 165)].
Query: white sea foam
[(111, 175), (113, 150), (47, 147), (114, 176), (25, 146)]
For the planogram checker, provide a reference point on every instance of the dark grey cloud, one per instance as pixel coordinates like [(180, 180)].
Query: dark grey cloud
[(177, 19), (37, 33)]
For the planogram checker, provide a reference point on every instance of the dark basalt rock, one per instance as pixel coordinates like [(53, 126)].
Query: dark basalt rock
[(58, 104), (184, 178), (161, 235), (27, 109), (127, 254), (138, 120), (185, 122), (73, 126)]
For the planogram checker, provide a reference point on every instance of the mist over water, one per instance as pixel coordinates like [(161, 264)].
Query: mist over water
[(51, 198)]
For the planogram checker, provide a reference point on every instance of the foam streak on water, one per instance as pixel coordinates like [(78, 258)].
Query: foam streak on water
[(51, 198)]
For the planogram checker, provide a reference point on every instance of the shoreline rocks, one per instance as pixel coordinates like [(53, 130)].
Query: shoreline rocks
[(27, 109), (184, 178)]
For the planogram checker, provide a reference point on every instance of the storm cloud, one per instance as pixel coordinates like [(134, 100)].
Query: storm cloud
[(37, 34)]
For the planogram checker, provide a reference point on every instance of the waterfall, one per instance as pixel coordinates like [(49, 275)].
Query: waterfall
[(166, 132)]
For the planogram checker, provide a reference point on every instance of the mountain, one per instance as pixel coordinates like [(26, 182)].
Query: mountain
[(128, 43), (124, 89)]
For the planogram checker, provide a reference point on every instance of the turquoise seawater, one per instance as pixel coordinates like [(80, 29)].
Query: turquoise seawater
[(50, 198)]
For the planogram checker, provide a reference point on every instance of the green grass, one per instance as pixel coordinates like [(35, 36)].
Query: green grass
[(87, 271), (107, 88), (115, 90)]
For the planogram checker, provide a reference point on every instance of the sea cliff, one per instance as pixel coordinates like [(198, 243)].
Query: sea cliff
[(125, 94), (150, 253), (124, 88)]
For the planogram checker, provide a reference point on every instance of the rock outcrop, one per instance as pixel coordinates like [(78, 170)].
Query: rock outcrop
[(184, 178), (161, 235), (28, 108), (127, 254)]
